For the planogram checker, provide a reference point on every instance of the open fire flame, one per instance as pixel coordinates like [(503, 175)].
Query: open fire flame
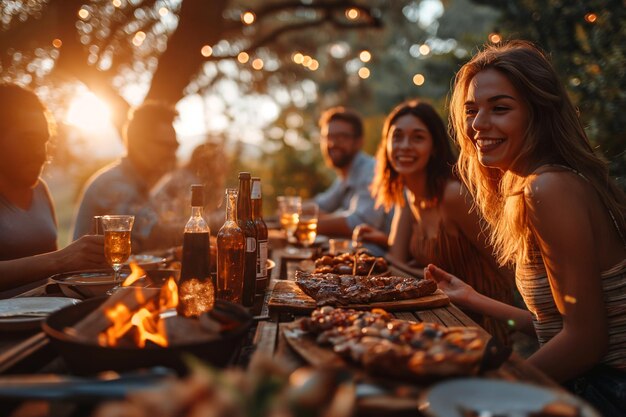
[(147, 323)]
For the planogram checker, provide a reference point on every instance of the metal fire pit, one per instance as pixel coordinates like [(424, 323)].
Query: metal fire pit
[(85, 358)]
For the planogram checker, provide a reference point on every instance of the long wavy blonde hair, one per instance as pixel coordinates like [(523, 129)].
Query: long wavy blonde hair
[(554, 135)]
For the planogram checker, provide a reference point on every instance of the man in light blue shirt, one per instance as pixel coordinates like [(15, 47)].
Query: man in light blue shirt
[(123, 187), (347, 202)]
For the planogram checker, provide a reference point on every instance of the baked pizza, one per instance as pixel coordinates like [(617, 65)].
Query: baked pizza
[(344, 263), (387, 346), (341, 290)]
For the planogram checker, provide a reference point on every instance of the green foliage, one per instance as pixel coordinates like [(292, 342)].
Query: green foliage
[(589, 53)]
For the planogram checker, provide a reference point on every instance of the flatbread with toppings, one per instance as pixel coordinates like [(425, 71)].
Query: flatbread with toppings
[(341, 290), (387, 346)]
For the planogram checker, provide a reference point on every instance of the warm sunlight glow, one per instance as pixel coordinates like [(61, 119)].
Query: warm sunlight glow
[(83, 13), (418, 79), (87, 112), (365, 56), (364, 72), (248, 18), (206, 51), (352, 13), (57, 43)]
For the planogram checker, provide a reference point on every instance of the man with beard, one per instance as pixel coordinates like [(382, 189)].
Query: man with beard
[(28, 228), (347, 203), (124, 186)]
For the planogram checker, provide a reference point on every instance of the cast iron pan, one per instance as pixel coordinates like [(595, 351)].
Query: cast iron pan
[(83, 358)]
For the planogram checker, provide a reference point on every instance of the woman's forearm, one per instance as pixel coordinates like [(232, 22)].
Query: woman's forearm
[(517, 318)]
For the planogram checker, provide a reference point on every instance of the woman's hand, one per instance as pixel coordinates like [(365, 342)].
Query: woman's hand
[(84, 253), (458, 291), (366, 233)]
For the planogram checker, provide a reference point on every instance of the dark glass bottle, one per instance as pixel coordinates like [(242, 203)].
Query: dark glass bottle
[(246, 223), (230, 253), (256, 197), (196, 292)]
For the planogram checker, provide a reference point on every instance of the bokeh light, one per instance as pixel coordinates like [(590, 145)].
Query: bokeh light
[(364, 72), (163, 11), (83, 13), (206, 51), (57, 43), (418, 79), (257, 64), (495, 37), (365, 56), (297, 58), (248, 18), (243, 57), (591, 17), (352, 13), (117, 3)]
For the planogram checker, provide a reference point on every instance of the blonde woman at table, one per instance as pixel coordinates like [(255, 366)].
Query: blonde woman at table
[(553, 210), (433, 220), (28, 230)]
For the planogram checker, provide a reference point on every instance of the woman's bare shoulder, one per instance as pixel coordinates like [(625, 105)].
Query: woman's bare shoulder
[(455, 196), (556, 186)]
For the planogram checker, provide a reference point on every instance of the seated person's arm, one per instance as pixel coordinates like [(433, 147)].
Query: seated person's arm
[(399, 242), (84, 253), (361, 210)]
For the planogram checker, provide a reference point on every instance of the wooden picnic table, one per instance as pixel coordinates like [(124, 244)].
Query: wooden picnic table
[(32, 353)]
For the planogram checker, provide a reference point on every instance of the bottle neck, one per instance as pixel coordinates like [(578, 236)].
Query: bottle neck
[(231, 208), (243, 202), (257, 205), (197, 211)]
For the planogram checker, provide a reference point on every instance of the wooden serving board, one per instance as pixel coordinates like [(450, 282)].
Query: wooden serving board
[(287, 297)]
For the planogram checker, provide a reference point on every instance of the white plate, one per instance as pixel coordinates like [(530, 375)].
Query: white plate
[(14, 312), (496, 397)]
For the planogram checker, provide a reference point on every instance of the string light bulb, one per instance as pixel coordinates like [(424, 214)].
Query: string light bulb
[(352, 13), (248, 18), (591, 17), (206, 51), (495, 37)]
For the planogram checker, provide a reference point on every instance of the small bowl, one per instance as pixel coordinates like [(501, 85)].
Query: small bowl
[(87, 284)]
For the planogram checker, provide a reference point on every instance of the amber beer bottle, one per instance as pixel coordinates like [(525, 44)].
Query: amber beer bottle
[(230, 253), (246, 223), (196, 293), (261, 236)]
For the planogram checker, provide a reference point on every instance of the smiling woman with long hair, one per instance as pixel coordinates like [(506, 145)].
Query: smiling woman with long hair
[(433, 220), (553, 211)]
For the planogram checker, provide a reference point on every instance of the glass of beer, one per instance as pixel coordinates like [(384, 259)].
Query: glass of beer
[(289, 208), (117, 241), (306, 231)]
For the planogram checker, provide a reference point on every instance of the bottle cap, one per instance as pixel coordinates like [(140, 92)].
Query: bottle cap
[(244, 175), (197, 195)]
